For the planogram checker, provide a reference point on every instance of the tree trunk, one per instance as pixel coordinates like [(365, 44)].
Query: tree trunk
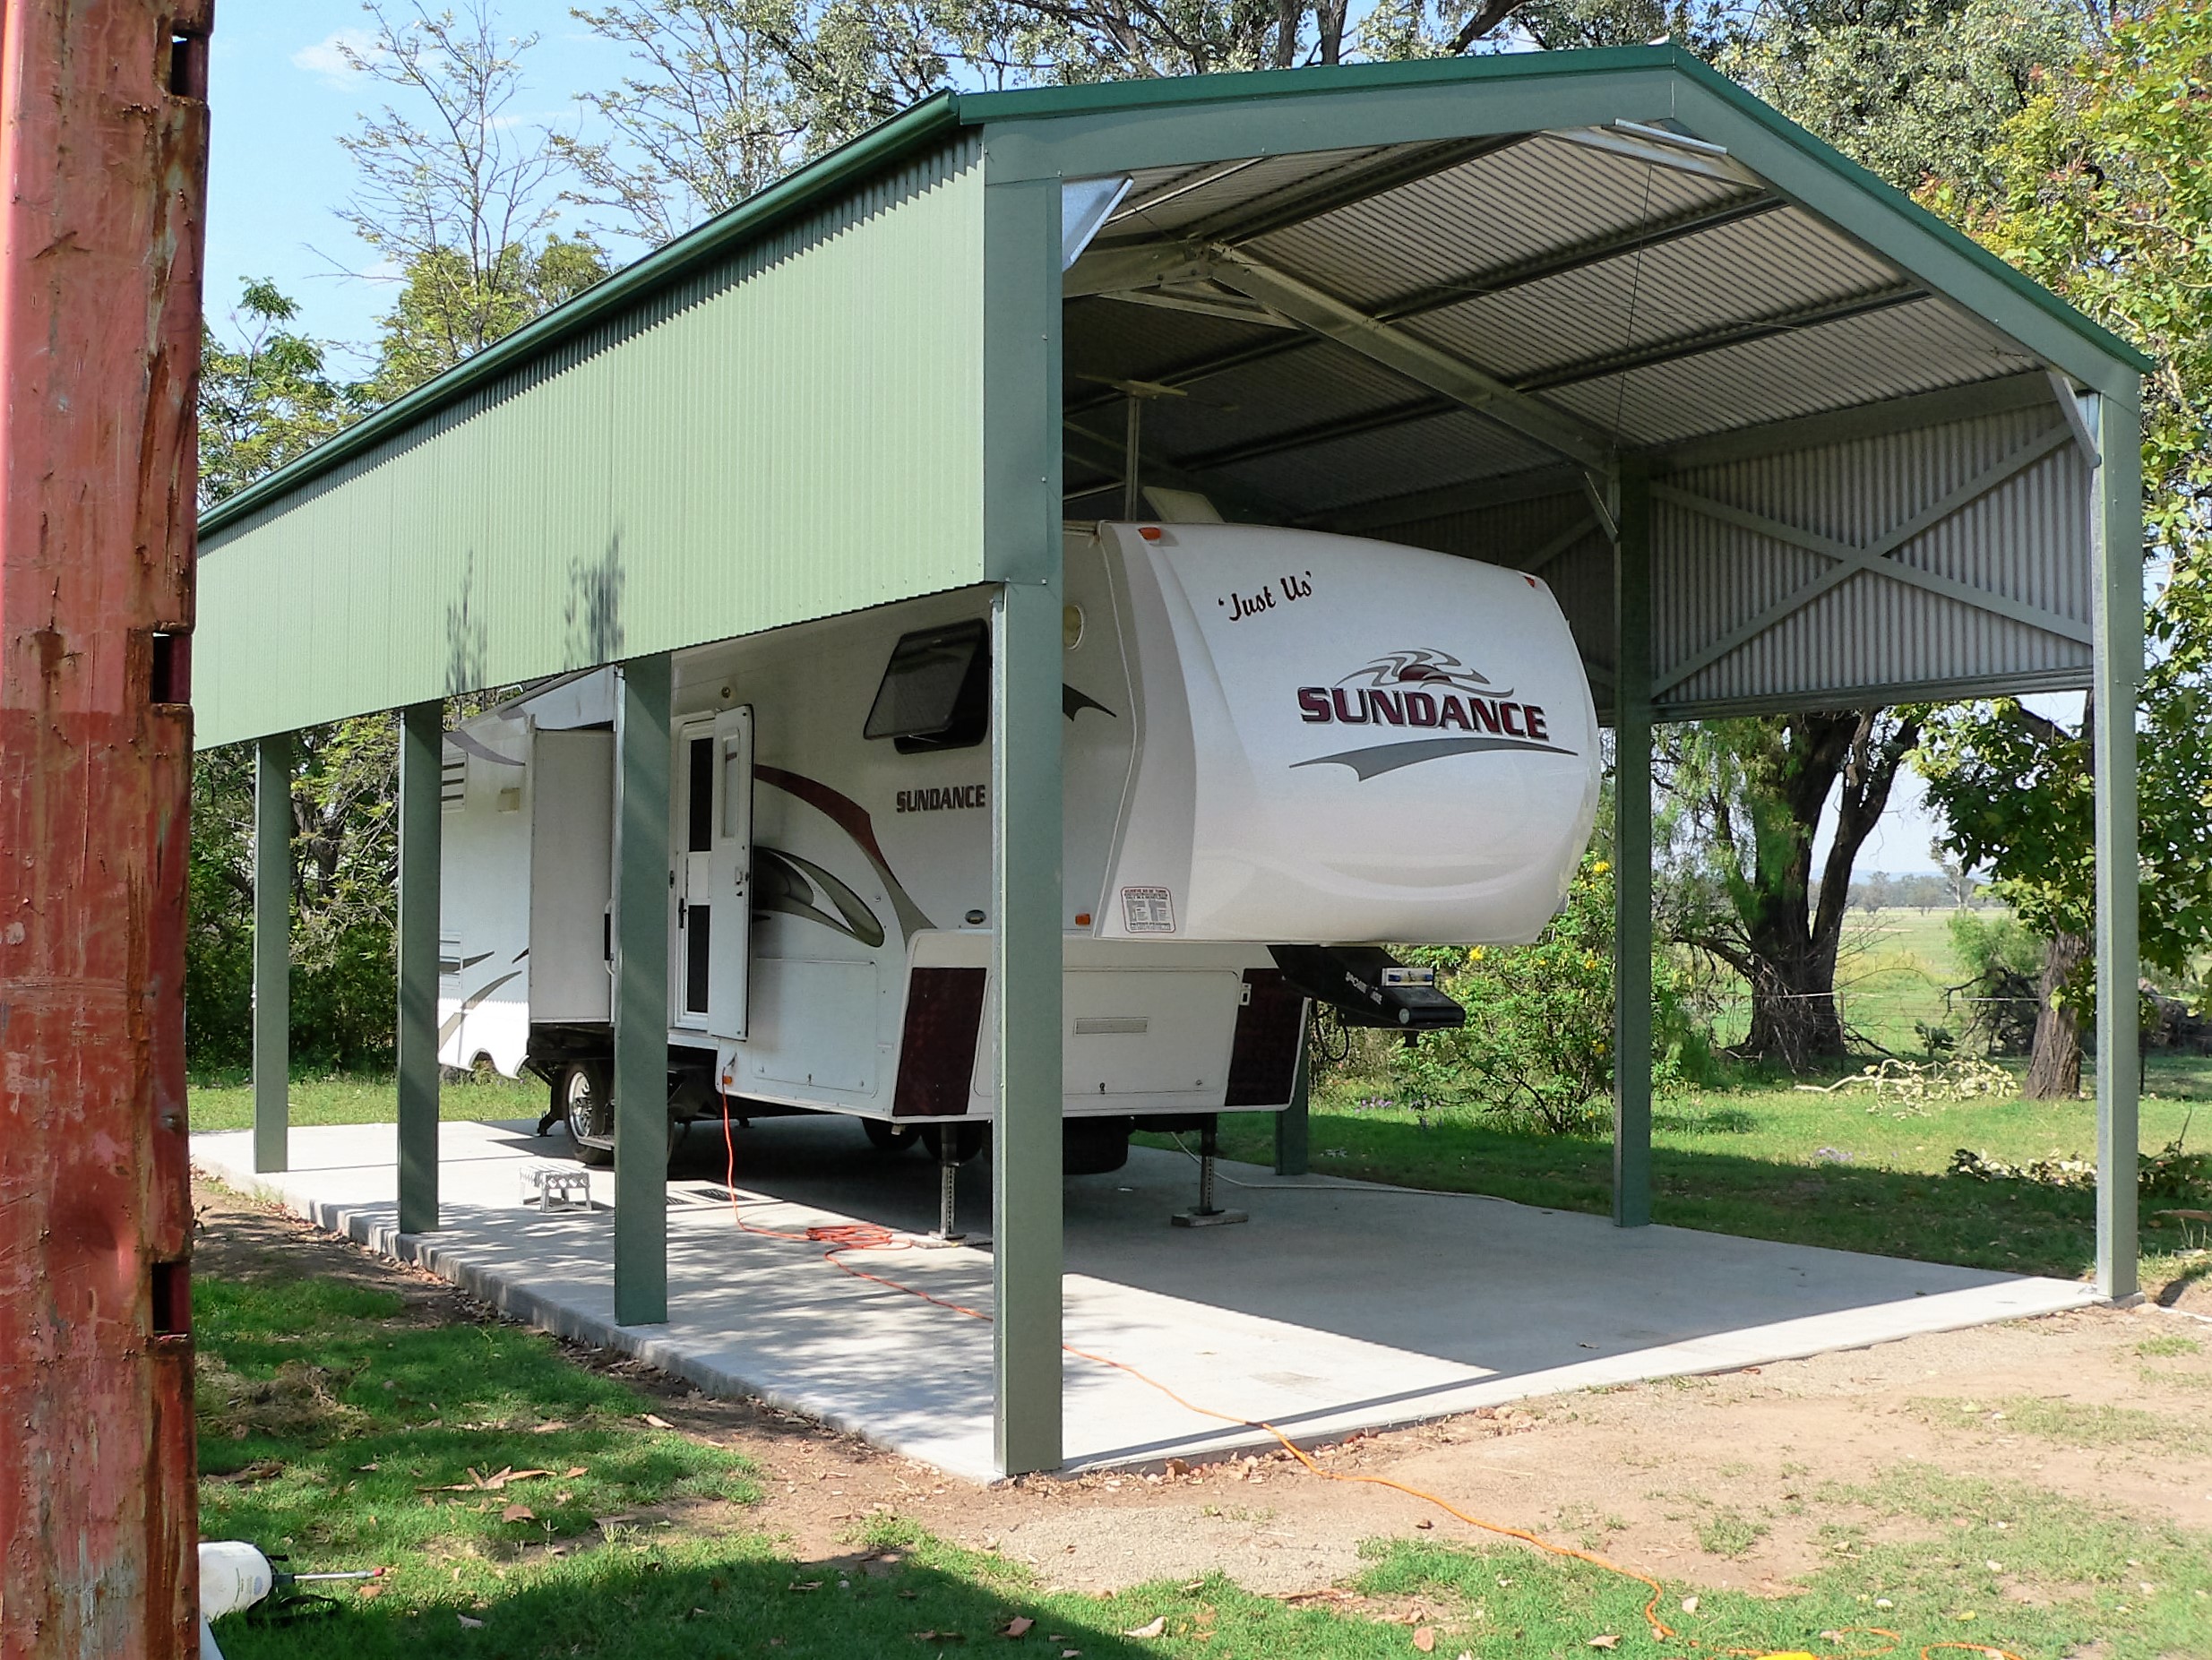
[(1791, 933), (2054, 1063)]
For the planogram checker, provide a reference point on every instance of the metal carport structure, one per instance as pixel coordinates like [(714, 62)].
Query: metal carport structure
[(1775, 437)]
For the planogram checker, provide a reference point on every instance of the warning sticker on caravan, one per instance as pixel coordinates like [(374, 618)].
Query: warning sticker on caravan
[(1147, 910)]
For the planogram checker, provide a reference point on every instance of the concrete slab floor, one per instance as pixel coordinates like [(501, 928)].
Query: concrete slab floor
[(1341, 1305)]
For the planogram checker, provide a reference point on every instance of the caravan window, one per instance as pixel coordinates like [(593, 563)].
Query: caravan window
[(936, 691)]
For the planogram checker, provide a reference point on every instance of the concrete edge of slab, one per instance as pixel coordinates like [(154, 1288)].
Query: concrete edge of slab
[(370, 1226), (543, 1313)]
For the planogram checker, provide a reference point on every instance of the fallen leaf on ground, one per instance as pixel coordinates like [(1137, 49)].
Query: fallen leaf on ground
[(658, 1422), (1688, 1605), (804, 1585), (573, 1471), (1607, 1642), (1018, 1626), (1425, 1639), (1152, 1628), (518, 1513), (473, 1625), (548, 1428)]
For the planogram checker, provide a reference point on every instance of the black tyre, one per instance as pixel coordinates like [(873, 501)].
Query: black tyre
[(1092, 1146), (584, 1097), (889, 1138), (967, 1142)]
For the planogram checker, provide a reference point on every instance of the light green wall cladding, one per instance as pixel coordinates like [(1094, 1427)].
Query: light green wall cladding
[(794, 433)]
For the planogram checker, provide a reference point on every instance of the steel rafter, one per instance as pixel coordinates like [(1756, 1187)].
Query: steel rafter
[(1681, 346), (1496, 400), (1135, 267)]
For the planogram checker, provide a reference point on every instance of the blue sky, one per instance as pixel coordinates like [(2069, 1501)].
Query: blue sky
[(281, 97)]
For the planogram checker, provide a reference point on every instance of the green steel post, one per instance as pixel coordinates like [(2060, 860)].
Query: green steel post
[(1290, 1123), (642, 995), (2118, 532), (1025, 1155), (1631, 855), (422, 748), (1022, 551), (272, 952)]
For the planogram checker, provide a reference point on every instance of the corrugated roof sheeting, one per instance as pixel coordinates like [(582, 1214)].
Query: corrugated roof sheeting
[(1417, 455), (826, 393), (1163, 201), (1765, 266), (2024, 541), (1474, 218), (1891, 353)]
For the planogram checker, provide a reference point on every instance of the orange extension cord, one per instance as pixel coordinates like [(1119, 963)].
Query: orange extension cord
[(870, 1236)]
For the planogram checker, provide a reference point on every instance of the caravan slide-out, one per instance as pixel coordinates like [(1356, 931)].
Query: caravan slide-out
[(1281, 748)]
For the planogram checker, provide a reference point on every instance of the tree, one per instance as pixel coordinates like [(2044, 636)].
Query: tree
[(711, 116), (1900, 85), (1911, 90), (727, 94), (455, 195), (1743, 800), (265, 396), (2099, 190)]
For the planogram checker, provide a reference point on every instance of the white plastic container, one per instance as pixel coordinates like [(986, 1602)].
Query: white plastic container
[(233, 1575)]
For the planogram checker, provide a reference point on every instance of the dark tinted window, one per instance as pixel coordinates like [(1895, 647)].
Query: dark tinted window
[(700, 838), (937, 690)]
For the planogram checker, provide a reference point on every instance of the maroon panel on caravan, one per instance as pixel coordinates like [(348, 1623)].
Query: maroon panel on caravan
[(1263, 1057), (937, 1050)]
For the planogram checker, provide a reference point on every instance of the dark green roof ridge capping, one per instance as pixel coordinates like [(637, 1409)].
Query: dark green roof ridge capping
[(941, 114)]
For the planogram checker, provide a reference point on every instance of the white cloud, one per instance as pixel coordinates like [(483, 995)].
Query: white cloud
[(327, 57)]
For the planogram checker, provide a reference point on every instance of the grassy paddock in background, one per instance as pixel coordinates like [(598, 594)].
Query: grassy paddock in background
[(1776, 1162), (339, 1428), (226, 1101)]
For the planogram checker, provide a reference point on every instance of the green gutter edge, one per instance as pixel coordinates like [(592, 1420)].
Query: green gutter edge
[(911, 129)]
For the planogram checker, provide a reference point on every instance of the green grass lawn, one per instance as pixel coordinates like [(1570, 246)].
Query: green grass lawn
[(227, 1102), (339, 1428), (1785, 1164)]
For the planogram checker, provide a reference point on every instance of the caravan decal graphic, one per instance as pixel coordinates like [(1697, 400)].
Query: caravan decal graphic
[(784, 882), (849, 816), (1423, 689), (470, 1004)]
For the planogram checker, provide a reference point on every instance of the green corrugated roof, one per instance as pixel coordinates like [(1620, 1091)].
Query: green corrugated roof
[(929, 121)]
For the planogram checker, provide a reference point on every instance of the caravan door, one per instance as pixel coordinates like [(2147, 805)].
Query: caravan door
[(730, 872), (693, 947)]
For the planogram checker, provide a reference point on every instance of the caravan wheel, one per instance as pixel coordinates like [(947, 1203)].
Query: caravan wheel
[(581, 1096), (889, 1138)]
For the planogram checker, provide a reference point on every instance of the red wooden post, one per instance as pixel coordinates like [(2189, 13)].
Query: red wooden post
[(103, 166)]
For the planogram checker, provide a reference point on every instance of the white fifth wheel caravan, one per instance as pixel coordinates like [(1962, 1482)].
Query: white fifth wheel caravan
[(1280, 747)]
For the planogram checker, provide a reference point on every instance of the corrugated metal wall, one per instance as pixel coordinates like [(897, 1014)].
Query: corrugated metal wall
[(2026, 540), (795, 433)]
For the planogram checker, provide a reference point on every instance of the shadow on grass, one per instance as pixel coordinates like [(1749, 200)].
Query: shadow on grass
[(697, 1600)]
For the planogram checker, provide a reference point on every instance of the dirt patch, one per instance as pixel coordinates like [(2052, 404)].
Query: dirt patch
[(1727, 1480)]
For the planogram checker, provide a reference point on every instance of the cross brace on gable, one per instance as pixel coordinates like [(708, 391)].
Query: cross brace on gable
[(1874, 559)]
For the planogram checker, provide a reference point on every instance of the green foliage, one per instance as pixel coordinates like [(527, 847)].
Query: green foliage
[(2003, 962), (1912, 90), (266, 395), (1538, 1039), (450, 309), (2099, 190)]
